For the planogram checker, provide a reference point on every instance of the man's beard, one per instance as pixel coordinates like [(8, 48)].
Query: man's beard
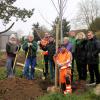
[(13, 42)]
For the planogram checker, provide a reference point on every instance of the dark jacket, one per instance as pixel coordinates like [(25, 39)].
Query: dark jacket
[(31, 50), (11, 49), (80, 51), (51, 48), (93, 49)]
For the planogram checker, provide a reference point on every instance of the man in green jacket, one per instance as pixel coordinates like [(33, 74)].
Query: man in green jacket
[(30, 48)]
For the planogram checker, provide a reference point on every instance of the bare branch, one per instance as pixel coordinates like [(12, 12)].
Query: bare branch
[(7, 29), (55, 6)]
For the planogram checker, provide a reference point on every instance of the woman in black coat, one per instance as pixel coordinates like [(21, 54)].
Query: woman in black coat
[(80, 56)]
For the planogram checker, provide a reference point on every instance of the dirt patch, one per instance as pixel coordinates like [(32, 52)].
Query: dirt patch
[(22, 89)]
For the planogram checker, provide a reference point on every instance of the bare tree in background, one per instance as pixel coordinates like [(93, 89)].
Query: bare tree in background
[(88, 12)]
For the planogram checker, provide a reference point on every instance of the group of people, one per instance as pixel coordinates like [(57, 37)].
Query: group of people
[(87, 54), (84, 49)]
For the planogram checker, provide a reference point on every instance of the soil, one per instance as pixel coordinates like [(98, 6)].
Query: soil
[(22, 89)]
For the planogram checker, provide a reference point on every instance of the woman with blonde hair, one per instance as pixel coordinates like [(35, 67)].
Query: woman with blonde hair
[(80, 55)]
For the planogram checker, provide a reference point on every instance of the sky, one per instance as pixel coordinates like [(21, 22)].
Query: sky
[(43, 9)]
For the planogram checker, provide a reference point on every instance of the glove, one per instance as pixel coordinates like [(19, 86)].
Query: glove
[(29, 44), (38, 42), (59, 66)]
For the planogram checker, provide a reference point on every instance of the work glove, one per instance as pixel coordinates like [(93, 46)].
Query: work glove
[(38, 42), (29, 44), (59, 66)]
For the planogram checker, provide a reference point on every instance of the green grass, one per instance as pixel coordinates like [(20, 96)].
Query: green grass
[(58, 96), (18, 73), (2, 73), (1, 54)]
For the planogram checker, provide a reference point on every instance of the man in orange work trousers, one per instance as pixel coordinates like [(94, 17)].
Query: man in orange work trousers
[(63, 60)]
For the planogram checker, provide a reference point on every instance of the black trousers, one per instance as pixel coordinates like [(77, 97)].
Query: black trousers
[(82, 70), (46, 63), (72, 71), (94, 71)]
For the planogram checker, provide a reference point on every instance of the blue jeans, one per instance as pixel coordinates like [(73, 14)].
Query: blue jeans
[(9, 66), (52, 69), (29, 73)]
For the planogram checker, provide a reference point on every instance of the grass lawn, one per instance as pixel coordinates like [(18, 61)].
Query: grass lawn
[(58, 96)]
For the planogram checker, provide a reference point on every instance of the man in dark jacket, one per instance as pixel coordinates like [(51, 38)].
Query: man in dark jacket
[(51, 51), (11, 50), (43, 44), (93, 50), (30, 48)]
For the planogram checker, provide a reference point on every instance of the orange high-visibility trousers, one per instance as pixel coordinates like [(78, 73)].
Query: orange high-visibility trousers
[(63, 73)]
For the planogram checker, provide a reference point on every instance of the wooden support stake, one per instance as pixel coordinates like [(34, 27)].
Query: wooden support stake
[(56, 68)]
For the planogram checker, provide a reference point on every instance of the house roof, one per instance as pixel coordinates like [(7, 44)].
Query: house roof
[(8, 33)]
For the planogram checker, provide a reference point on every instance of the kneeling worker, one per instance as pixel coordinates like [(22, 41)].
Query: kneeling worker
[(63, 60)]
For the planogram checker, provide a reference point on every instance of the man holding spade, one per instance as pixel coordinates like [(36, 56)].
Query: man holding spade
[(30, 48), (12, 48)]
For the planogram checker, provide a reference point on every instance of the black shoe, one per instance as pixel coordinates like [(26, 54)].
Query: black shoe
[(91, 82), (97, 82)]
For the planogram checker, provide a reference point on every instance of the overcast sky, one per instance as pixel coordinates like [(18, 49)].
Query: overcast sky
[(43, 8)]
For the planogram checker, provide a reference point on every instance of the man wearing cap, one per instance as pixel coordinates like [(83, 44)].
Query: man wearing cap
[(11, 50), (30, 48)]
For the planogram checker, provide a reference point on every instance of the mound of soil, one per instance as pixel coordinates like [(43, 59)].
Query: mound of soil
[(22, 89)]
